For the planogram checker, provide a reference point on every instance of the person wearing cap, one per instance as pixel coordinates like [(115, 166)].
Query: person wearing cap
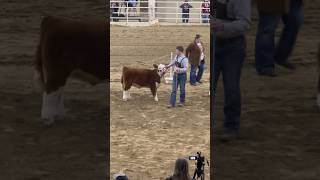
[(196, 56), (267, 53), (233, 19), (180, 66)]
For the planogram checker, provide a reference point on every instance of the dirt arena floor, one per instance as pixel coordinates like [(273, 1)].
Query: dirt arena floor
[(280, 125), (146, 136), (71, 149)]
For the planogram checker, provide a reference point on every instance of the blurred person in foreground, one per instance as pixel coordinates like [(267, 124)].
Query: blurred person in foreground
[(266, 52), (196, 56), (232, 21), (181, 170)]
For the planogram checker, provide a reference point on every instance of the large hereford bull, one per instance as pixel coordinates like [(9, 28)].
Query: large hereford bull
[(65, 47), (150, 78)]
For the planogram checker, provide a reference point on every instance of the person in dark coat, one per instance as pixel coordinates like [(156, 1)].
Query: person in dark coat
[(196, 56)]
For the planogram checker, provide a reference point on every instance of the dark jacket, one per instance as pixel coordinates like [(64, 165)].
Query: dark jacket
[(273, 6), (193, 53)]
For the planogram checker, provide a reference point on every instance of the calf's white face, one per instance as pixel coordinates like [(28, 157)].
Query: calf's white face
[(161, 69)]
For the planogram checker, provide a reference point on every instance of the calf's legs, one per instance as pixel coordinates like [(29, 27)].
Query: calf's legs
[(52, 106), (154, 92), (126, 94)]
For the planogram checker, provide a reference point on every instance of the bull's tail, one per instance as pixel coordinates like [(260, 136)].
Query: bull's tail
[(318, 93), (38, 73)]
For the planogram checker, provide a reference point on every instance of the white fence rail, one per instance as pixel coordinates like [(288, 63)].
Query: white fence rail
[(147, 12)]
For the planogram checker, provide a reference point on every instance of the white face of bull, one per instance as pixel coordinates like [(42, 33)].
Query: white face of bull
[(161, 70)]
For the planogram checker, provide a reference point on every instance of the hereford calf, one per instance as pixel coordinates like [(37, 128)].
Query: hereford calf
[(149, 78), (67, 46)]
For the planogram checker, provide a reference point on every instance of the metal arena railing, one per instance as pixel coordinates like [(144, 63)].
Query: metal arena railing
[(147, 12)]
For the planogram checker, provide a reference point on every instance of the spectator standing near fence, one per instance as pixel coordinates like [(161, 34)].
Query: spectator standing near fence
[(114, 11), (133, 7), (205, 11), (196, 56), (266, 52), (185, 11), (233, 21)]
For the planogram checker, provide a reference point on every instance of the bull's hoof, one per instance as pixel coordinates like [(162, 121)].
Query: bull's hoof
[(48, 122), (156, 99), (125, 99)]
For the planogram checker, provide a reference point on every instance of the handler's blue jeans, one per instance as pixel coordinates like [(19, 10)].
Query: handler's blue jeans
[(194, 75), (185, 17), (229, 58), (179, 80), (266, 52)]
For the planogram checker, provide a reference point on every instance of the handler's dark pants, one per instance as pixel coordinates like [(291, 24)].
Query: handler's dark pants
[(229, 57), (185, 17), (266, 52)]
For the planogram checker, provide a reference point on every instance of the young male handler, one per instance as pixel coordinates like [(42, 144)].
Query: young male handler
[(180, 63)]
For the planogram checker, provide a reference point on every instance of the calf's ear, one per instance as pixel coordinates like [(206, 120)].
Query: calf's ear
[(155, 66)]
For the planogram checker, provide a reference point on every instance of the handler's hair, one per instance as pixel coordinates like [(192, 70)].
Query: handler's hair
[(181, 170), (180, 48)]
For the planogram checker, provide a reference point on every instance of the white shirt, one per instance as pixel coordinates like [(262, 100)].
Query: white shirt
[(201, 48)]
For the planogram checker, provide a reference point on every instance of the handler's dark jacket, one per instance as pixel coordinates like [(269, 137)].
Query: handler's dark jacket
[(193, 53)]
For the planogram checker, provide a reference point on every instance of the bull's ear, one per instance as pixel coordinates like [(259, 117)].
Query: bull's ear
[(155, 66)]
